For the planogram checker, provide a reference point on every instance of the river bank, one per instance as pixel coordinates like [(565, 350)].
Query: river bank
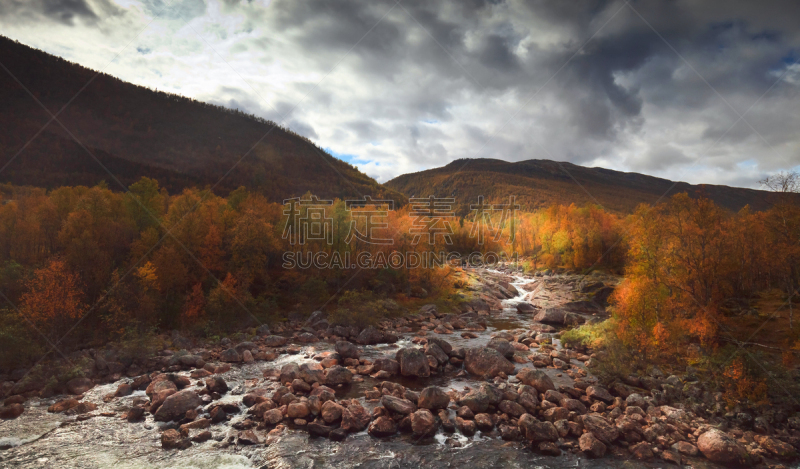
[(487, 386)]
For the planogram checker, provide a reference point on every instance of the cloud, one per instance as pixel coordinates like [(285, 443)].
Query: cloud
[(409, 86)]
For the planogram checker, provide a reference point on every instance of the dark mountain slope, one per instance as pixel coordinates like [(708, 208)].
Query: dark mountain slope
[(136, 132), (540, 183)]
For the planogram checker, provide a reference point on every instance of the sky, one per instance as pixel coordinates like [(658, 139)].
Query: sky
[(703, 92)]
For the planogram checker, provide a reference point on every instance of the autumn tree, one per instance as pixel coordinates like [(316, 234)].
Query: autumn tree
[(53, 299)]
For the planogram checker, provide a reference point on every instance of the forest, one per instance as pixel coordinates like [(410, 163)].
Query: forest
[(85, 266)]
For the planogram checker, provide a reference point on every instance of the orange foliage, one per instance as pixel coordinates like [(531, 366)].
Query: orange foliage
[(53, 295)]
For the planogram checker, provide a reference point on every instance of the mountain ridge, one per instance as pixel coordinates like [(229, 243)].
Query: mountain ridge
[(539, 183), (142, 132)]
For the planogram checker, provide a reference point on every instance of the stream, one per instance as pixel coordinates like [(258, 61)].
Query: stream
[(102, 439)]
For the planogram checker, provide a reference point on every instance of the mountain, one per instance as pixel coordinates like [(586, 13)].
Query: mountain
[(541, 183), (134, 131)]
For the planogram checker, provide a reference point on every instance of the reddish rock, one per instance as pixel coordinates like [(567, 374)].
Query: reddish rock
[(433, 398), (63, 405), (600, 428), (720, 448), (591, 446), (176, 406), (486, 362), (423, 423), (331, 412), (536, 378), (536, 431), (355, 418), (79, 386), (382, 427), (11, 411)]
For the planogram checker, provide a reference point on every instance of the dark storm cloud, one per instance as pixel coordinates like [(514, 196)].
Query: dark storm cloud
[(654, 86), (62, 11)]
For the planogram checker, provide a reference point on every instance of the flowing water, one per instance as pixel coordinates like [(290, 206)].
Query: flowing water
[(38, 439)]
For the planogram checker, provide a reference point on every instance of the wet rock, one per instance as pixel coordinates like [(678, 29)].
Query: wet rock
[(413, 362), (443, 344), (382, 427), (536, 431), (273, 416), (135, 414), (263, 330), (398, 405), (591, 446), (355, 418), (230, 356), (548, 448), (600, 428), (720, 448), (176, 406), (171, 439), (536, 378), (250, 437), (11, 411), (298, 410), (550, 316), (599, 393), (123, 389), (318, 429), (555, 413), (484, 422), (331, 412), (63, 405), (275, 341), (388, 365), (501, 345), (479, 400), (79, 386), (289, 372), (436, 352), (423, 423), (486, 362), (202, 437), (433, 398), (347, 349), (336, 375), (218, 415), (370, 336), (306, 338), (259, 409), (447, 424), (684, 447), (635, 400), (776, 448), (511, 408), (217, 384), (642, 451), (525, 308), (247, 357), (466, 427), (242, 346)]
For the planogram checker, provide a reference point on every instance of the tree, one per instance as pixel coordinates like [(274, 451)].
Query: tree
[(54, 299)]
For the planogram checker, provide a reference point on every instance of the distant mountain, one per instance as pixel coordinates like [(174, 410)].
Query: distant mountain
[(541, 183), (135, 131)]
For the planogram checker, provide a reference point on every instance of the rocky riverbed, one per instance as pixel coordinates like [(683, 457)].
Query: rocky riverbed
[(487, 386)]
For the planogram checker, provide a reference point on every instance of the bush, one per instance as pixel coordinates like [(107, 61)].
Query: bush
[(358, 308), (19, 345)]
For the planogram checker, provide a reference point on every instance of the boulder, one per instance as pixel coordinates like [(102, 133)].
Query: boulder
[(550, 316), (398, 405), (599, 393), (275, 341), (443, 344), (433, 398), (486, 362), (230, 356), (217, 384), (382, 427), (171, 439), (423, 423), (63, 405), (289, 372), (331, 412), (436, 352), (370, 336), (78, 386), (536, 431), (413, 362), (11, 411), (501, 345), (386, 364), (337, 374), (720, 448), (176, 405), (600, 428), (536, 378), (776, 448), (591, 446), (355, 418), (347, 349), (525, 308)]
